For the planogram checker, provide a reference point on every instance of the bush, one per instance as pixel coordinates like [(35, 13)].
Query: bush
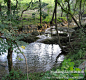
[(35, 33), (15, 75), (66, 72)]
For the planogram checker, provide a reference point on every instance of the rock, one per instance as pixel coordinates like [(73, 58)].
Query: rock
[(82, 66), (63, 34)]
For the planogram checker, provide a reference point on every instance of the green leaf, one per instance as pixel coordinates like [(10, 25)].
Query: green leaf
[(71, 68), (75, 75), (69, 59), (70, 79), (77, 69)]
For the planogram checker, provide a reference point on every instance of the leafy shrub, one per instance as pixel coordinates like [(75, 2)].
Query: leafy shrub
[(35, 33), (15, 75), (66, 72)]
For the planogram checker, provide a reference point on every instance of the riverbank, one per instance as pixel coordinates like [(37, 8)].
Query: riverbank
[(75, 51), (76, 48)]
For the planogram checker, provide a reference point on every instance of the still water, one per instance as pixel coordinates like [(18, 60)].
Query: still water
[(40, 57)]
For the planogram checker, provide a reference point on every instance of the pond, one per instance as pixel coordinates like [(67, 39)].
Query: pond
[(40, 57)]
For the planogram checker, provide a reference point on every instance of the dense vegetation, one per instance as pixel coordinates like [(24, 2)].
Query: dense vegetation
[(22, 20)]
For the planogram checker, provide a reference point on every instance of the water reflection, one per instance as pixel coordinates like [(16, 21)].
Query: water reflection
[(40, 57)]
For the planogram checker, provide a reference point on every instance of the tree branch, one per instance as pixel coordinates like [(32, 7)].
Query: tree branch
[(26, 8), (69, 14), (25, 59)]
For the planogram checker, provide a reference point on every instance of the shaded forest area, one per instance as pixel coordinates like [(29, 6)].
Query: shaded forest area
[(21, 21)]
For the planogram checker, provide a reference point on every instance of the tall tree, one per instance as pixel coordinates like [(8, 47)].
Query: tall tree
[(70, 13), (40, 12), (9, 7), (68, 19), (56, 24), (15, 6), (10, 36), (0, 7), (80, 12), (10, 49), (9, 56)]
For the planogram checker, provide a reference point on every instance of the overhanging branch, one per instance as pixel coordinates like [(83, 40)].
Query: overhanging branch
[(69, 14)]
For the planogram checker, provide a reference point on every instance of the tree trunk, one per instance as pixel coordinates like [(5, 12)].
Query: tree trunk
[(51, 22), (9, 57), (56, 16), (0, 7), (40, 12), (69, 14), (56, 22), (9, 7), (80, 13), (15, 7)]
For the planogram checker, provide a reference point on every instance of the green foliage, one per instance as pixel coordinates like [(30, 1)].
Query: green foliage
[(35, 5), (19, 58), (5, 1), (8, 26), (59, 20), (15, 75), (35, 76), (48, 18), (44, 14), (3, 46), (67, 71), (79, 52)]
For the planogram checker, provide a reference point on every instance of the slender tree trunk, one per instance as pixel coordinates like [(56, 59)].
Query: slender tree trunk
[(9, 12), (0, 7), (9, 7), (69, 14), (84, 6), (40, 12), (51, 22), (10, 50), (56, 16), (80, 13), (15, 7), (68, 19), (9, 57), (56, 22), (24, 11), (68, 32)]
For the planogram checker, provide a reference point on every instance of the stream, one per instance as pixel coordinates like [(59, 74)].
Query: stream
[(40, 57)]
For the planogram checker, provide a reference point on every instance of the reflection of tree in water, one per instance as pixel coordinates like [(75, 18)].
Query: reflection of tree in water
[(52, 51), (40, 57)]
